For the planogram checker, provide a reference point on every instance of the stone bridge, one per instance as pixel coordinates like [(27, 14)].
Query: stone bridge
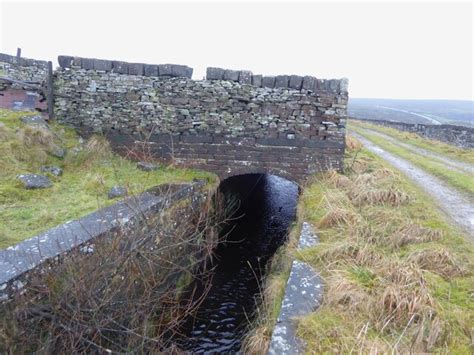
[(231, 123)]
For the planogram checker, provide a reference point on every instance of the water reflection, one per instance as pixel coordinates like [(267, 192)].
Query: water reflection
[(266, 213)]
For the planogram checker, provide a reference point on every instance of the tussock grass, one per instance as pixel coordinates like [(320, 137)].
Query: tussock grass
[(90, 170), (396, 274)]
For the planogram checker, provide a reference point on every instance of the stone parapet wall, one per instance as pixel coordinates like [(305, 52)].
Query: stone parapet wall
[(227, 126), (460, 136), (23, 69)]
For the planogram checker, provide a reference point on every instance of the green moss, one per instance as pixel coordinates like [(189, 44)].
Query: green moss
[(88, 175)]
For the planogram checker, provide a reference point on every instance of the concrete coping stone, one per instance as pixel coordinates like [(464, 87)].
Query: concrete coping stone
[(15, 261), (303, 294)]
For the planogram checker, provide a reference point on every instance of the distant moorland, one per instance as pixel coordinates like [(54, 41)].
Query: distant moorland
[(455, 112)]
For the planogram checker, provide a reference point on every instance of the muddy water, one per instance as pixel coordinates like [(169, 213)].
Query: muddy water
[(263, 221)]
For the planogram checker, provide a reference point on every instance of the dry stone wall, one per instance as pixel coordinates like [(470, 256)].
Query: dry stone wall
[(233, 122), (23, 69), (460, 136)]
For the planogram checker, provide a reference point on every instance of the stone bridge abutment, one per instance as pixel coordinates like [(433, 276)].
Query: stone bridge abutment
[(231, 123)]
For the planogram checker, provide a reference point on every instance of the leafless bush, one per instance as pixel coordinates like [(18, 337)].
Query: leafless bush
[(124, 296)]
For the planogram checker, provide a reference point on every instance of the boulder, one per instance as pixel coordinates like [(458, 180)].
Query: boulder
[(34, 181), (117, 191), (145, 166), (55, 170), (36, 121)]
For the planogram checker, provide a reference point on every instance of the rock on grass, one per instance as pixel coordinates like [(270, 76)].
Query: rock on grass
[(33, 181), (55, 170), (117, 191), (147, 166)]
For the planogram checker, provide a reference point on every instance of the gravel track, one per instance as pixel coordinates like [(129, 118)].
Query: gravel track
[(457, 206)]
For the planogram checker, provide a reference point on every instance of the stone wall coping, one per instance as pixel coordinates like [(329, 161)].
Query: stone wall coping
[(30, 253), (24, 62), (295, 82), (121, 67)]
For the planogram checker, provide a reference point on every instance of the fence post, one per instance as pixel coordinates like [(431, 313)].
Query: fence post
[(50, 95), (18, 53)]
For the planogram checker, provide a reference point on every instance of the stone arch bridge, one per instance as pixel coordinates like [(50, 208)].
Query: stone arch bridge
[(231, 123)]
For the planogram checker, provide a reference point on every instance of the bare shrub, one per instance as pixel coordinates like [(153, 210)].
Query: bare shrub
[(122, 294)]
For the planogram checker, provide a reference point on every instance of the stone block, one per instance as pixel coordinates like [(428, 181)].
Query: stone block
[(87, 63), (344, 85), (257, 80), (245, 77), (232, 75), (150, 69), (77, 62), (181, 71), (120, 67), (164, 70), (135, 68), (309, 83), (296, 82), (65, 61), (281, 81), (268, 81), (334, 85), (102, 65), (215, 73), (5, 58)]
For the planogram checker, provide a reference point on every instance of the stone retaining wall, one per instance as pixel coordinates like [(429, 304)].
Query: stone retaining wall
[(40, 253), (460, 136)]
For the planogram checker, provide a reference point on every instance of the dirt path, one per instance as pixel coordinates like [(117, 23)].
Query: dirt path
[(452, 164), (453, 203)]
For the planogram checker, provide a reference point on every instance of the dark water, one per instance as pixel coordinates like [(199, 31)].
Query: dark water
[(265, 217)]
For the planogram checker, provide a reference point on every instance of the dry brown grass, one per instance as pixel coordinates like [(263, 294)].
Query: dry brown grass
[(36, 136), (383, 247), (413, 233), (439, 261), (379, 196), (352, 144)]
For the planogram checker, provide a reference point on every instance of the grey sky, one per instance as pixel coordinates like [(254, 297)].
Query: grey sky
[(390, 50)]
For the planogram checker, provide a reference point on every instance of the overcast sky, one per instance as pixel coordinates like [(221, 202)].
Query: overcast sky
[(387, 50)]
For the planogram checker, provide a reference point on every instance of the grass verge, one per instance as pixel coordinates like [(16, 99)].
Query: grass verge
[(457, 179), (398, 278), (90, 170)]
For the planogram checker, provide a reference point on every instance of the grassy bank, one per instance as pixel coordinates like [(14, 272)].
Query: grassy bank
[(447, 150), (460, 180), (90, 170), (397, 276)]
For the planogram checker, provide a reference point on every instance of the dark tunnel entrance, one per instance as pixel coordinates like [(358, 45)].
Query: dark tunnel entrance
[(258, 227)]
